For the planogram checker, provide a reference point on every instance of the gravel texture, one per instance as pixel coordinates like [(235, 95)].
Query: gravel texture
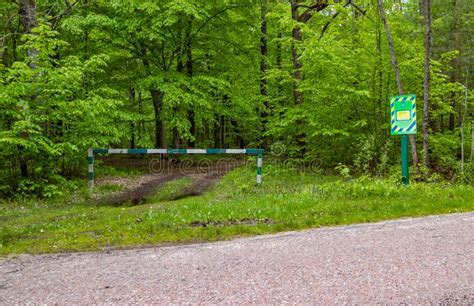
[(405, 261)]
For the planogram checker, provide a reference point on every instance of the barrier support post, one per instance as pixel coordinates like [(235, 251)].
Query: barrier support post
[(259, 168), (90, 159)]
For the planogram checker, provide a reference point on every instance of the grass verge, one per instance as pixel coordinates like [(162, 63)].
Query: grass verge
[(287, 200)]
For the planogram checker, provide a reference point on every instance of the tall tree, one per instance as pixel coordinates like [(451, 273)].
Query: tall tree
[(426, 81), (29, 21), (28, 15), (396, 69), (298, 96), (298, 17), (189, 71), (264, 65)]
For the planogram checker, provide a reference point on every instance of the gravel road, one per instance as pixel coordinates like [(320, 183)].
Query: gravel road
[(405, 261)]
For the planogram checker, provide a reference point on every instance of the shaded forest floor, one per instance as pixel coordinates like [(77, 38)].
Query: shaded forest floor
[(189, 205)]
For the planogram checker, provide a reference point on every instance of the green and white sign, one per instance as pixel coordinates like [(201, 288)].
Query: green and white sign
[(403, 115)]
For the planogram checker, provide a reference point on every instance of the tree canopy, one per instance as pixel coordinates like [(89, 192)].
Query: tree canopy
[(313, 77)]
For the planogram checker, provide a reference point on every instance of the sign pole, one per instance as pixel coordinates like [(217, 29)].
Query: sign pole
[(405, 167)]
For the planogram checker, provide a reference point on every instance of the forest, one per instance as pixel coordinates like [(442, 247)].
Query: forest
[(310, 79)]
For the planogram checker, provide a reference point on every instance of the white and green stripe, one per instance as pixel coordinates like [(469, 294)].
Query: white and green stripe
[(259, 168), (90, 160), (178, 151), (91, 153)]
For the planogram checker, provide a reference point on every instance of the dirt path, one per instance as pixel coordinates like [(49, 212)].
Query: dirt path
[(201, 183), (139, 188), (138, 195), (424, 260)]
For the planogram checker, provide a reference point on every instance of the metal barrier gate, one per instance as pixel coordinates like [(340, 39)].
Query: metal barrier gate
[(92, 152)]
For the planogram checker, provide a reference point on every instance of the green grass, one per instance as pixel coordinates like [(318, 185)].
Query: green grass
[(169, 190), (287, 200)]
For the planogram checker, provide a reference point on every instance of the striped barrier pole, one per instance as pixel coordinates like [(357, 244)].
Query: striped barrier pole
[(91, 153)]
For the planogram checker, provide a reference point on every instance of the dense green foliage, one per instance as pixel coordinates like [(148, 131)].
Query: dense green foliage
[(191, 73), (288, 199)]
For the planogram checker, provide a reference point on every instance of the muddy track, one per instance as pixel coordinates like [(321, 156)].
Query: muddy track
[(137, 196), (200, 184), (203, 178)]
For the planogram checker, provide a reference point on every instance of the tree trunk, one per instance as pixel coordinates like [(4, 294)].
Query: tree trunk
[(381, 113), (131, 95), (132, 135), (472, 144), (396, 69), (451, 118), (222, 132), (157, 99), (206, 133), (217, 129), (295, 56), (3, 54), (176, 138), (263, 67), (239, 141), (456, 75), (278, 62), (189, 71), (298, 96), (179, 69), (28, 15), (188, 48), (141, 126), (14, 46), (463, 115), (426, 81), (28, 21)]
